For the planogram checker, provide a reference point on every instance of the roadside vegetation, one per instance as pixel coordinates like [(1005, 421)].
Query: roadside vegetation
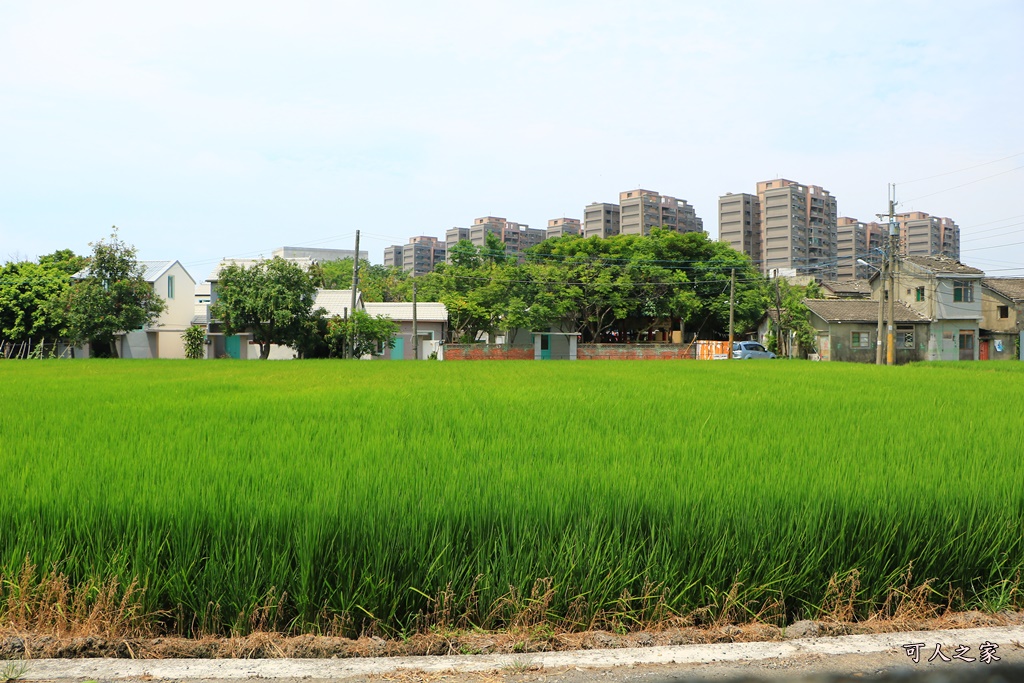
[(342, 498)]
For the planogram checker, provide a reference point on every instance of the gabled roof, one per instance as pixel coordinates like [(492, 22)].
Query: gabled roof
[(859, 311), (941, 265), (848, 288), (337, 301), (426, 311), (151, 270), (1010, 287), (304, 263)]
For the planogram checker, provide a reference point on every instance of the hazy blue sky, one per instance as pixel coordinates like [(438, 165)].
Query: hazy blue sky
[(210, 129)]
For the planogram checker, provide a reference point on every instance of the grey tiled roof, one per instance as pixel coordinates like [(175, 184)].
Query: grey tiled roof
[(1010, 287), (941, 264), (859, 311), (847, 287), (337, 301)]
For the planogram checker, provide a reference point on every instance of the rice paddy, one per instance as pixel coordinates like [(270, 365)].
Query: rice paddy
[(346, 497)]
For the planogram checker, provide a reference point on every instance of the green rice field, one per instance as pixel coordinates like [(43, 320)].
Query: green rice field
[(345, 497)]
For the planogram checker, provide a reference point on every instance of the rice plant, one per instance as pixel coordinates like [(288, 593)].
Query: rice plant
[(348, 497)]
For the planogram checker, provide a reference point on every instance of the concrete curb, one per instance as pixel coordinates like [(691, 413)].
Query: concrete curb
[(107, 669)]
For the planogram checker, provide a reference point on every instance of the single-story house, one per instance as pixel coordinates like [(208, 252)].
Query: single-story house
[(848, 330)]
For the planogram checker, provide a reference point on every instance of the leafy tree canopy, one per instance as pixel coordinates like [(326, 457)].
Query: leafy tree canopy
[(272, 299)]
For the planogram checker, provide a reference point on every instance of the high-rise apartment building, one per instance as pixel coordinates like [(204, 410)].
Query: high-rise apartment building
[(924, 235), (798, 228), (739, 223), (453, 236), (858, 241), (418, 257), (517, 237), (601, 220), (557, 227), (641, 210)]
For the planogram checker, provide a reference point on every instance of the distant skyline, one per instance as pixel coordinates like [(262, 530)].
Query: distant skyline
[(205, 130)]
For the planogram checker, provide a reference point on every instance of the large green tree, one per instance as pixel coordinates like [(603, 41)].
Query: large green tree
[(111, 298), (32, 297), (271, 299), (376, 282)]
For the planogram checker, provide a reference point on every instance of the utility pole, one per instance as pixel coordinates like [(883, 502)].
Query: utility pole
[(779, 344), (879, 344), (732, 309), (890, 350), (355, 288), (415, 328)]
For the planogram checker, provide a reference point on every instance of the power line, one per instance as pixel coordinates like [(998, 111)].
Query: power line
[(939, 175), (955, 187)]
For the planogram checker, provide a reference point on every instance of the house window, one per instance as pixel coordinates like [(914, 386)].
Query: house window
[(963, 290), (860, 340), (904, 336), (170, 286), (1004, 311), (919, 294)]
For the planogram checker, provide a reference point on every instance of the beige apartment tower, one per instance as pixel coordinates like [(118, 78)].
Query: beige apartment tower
[(858, 241), (418, 257), (559, 227), (798, 228), (924, 235), (641, 210), (739, 223), (601, 220)]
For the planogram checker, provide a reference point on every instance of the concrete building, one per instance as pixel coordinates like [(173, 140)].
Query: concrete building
[(946, 292), (558, 227), (418, 257), (856, 240), (798, 228), (739, 223), (517, 237), (847, 330), (924, 235), (318, 254), (1002, 311), (453, 236), (601, 220), (641, 210), (431, 328)]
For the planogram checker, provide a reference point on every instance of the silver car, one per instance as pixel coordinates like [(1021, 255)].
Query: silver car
[(750, 349)]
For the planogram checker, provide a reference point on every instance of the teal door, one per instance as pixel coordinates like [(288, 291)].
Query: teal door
[(233, 346), (545, 347), (398, 353)]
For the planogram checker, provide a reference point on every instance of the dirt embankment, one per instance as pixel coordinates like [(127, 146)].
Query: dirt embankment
[(21, 645)]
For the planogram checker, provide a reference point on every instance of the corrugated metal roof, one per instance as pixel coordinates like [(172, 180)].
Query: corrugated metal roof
[(427, 311), (859, 311), (151, 270), (336, 301), (1010, 287)]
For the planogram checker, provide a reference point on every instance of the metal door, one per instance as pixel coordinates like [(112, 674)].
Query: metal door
[(233, 346), (398, 352), (966, 344), (983, 349)]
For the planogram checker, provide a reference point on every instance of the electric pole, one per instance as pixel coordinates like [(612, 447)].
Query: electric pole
[(889, 258), (415, 330), (732, 309), (355, 288)]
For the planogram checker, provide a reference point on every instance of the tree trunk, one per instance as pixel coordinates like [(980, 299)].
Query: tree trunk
[(113, 348), (264, 350)]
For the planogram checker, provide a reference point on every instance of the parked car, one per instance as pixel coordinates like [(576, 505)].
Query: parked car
[(750, 349)]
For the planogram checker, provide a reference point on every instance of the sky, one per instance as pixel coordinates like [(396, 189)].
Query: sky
[(212, 129)]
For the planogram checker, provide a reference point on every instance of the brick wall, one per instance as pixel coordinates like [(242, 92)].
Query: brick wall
[(634, 352), (487, 352)]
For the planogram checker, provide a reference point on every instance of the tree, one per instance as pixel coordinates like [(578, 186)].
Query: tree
[(372, 334), (376, 282), (195, 342), (272, 299), (111, 299), (31, 295)]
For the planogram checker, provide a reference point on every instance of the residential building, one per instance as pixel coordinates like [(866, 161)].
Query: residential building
[(453, 236), (162, 337), (517, 237), (318, 254), (924, 235), (641, 210), (418, 257), (946, 292), (798, 228), (601, 220), (431, 327), (739, 223), (847, 330), (1002, 312), (394, 256), (845, 289), (558, 227), (858, 241)]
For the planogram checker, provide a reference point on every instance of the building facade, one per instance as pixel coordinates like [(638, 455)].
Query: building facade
[(922, 234), (318, 254), (798, 228), (418, 257), (739, 222), (858, 241), (601, 220), (641, 210), (559, 227)]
